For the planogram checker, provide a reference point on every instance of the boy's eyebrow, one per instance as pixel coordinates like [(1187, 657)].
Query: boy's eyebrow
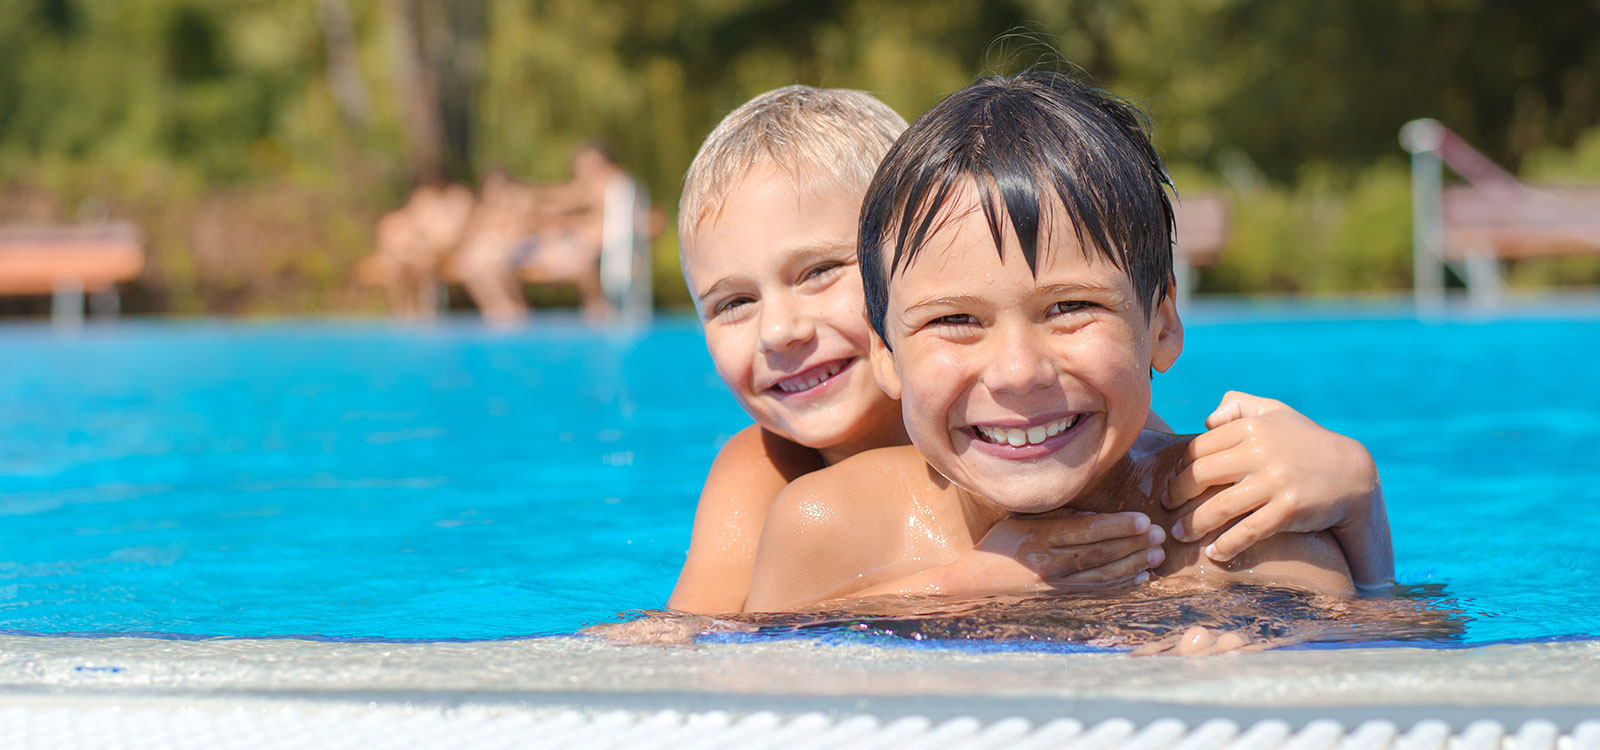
[(712, 289), (949, 300), (967, 300), (1044, 289), (826, 246), (1077, 288), (820, 247)]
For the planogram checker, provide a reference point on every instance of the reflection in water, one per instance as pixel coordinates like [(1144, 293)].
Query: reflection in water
[(1263, 616)]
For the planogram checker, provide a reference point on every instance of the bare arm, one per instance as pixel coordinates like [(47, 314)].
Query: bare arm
[(1273, 470), (848, 532), (1311, 562), (748, 473), (1367, 544), (1070, 552)]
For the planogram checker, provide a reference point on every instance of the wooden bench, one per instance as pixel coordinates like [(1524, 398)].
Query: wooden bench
[(1521, 221), (1495, 217), (69, 261)]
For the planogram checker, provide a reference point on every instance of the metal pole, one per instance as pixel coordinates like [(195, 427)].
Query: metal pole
[(1423, 139), (66, 304), (1483, 277), (640, 297)]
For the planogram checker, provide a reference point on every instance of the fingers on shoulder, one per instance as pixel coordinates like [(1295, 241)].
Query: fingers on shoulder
[(1222, 507), (1214, 470), (1229, 409), (1106, 567), (1219, 438), (1239, 405), (1088, 528), (1252, 530)]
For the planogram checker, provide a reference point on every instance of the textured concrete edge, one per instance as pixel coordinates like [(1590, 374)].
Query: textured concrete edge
[(888, 707)]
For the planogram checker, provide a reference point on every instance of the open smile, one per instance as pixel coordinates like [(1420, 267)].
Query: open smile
[(811, 379), (1025, 441)]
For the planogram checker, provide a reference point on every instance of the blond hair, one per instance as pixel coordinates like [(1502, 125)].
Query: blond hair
[(818, 136)]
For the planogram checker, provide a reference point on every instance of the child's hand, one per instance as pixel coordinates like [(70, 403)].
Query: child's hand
[(1198, 641), (1081, 552), (1078, 551), (1274, 470)]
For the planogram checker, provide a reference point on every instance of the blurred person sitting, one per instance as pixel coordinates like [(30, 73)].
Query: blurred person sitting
[(540, 234), (412, 243)]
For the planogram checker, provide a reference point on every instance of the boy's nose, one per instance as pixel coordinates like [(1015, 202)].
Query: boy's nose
[(1016, 363), (783, 325)]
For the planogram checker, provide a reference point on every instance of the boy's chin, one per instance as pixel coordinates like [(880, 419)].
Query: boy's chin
[(1041, 498), (1031, 507), (819, 438)]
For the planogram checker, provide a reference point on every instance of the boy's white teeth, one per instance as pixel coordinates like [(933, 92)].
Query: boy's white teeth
[(1017, 437), (793, 385)]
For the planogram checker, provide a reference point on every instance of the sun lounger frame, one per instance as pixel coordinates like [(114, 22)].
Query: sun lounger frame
[(69, 261)]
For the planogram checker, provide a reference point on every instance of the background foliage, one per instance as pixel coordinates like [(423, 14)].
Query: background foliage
[(257, 140)]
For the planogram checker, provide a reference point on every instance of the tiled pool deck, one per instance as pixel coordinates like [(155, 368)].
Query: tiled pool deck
[(102, 692)]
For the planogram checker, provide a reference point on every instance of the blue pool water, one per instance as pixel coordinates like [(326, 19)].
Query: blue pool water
[(361, 479)]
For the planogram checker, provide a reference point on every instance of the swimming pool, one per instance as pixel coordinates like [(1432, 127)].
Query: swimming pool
[(360, 480)]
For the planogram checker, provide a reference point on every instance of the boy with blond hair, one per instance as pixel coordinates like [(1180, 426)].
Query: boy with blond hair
[(767, 228)]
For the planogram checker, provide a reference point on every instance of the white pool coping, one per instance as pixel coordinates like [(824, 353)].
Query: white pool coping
[(69, 692)]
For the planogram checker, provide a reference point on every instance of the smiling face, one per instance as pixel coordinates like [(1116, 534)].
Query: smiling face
[(775, 283), (1022, 389)]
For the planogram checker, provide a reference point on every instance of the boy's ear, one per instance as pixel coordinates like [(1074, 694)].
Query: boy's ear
[(883, 366), (1166, 331)]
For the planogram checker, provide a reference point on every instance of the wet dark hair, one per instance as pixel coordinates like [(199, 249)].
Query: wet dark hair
[(1021, 139)]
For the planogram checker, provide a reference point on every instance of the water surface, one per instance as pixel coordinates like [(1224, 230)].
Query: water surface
[(363, 479)]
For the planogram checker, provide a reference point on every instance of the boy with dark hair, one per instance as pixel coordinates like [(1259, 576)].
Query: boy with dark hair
[(1015, 253)]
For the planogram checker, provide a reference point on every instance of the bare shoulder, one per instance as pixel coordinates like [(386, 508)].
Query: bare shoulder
[(1160, 450), (831, 529), (898, 463), (755, 451), (746, 476), (856, 492), (1313, 562), (749, 472)]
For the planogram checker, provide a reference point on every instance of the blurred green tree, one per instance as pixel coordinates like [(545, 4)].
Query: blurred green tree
[(173, 108)]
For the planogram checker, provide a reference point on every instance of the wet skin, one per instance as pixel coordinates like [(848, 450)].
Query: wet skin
[(774, 279), (777, 288), (1023, 392)]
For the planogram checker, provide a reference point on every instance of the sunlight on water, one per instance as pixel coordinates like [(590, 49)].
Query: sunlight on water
[(350, 480)]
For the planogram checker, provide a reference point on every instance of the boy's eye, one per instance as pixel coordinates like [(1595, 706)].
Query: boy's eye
[(821, 270), (729, 305), (954, 319), (1061, 308)]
